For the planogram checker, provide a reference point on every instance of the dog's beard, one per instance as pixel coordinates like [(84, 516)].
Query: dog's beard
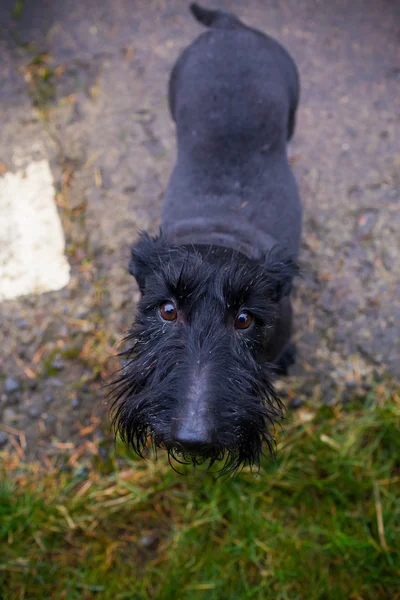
[(146, 390), (210, 287)]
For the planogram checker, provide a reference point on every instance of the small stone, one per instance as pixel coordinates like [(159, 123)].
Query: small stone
[(58, 364), (365, 223), (388, 260), (65, 469), (48, 398), (103, 452), (9, 416), (22, 324), (3, 438), (148, 541), (346, 397), (55, 382), (295, 403), (75, 402), (352, 132), (351, 384), (34, 411), (10, 399), (98, 436), (329, 400), (82, 472), (11, 385)]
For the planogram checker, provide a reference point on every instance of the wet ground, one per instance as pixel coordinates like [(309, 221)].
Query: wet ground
[(83, 85)]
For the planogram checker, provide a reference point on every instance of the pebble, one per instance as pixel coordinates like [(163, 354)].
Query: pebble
[(351, 384), (9, 416), (147, 541), (65, 469), (346, 398), (58, 364), (34, 411), (22, 324), (48, 398), (329, 400), (104, 453), (75, 402), (11, 385), (55, 382), (98, 436), (366, 223), (3, 438), (83, 472), (295, 403), (10, 399)]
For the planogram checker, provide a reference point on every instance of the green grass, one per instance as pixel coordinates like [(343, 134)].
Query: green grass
[(323, 522)]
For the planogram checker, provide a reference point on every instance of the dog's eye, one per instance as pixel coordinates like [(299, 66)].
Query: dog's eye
[(168, 311), (243, 320)]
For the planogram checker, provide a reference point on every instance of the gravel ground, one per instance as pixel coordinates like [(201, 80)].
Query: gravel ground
[(83, 85)]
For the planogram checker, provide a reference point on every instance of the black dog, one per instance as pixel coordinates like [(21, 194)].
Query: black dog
[(214, 321)]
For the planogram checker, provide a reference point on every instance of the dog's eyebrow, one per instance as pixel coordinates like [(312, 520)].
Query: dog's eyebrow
[(184, 264)]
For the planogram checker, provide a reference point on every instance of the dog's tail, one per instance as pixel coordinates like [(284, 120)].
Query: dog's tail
[(215, 18)]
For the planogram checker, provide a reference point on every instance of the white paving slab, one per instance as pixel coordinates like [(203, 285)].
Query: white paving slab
[(32, 244)]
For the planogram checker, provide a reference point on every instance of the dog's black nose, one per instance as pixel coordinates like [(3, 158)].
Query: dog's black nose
[(190, 439)]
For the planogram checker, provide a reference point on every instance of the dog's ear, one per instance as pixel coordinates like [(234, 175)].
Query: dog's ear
[(144, 256), (281, 269)]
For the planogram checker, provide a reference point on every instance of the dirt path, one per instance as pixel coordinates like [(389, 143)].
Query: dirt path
[(101, 120)]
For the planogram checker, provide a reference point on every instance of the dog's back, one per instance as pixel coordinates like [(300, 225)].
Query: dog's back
[(233, 94), (233, 85), (215, 316)]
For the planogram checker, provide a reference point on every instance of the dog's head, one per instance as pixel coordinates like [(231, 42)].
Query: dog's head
[(198, 375)]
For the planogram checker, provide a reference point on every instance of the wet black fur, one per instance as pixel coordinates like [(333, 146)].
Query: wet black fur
[(230, 233), (210, 286)]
